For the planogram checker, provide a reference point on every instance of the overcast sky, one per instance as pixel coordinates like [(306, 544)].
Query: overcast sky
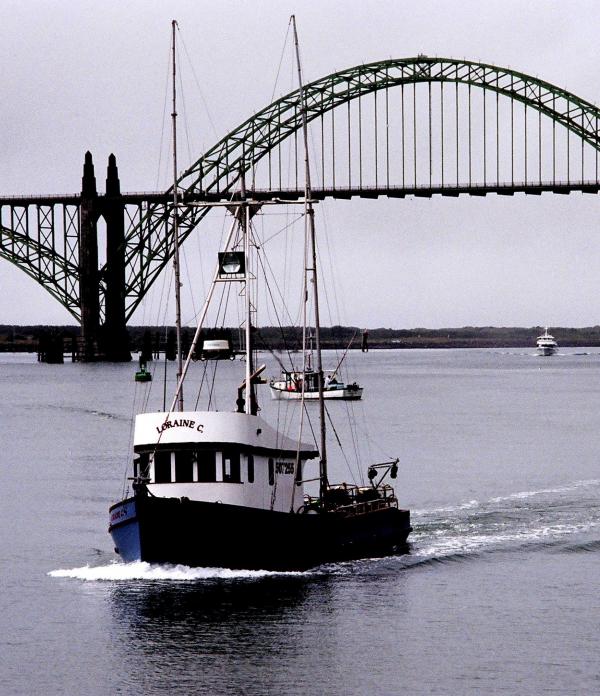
[(92, 75)]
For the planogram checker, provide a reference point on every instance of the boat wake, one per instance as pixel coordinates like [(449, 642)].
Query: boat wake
[(565, 518), (117, 572)]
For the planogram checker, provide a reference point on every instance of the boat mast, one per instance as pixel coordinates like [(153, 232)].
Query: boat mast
[(310, 221), (176, 268), (244, 211)]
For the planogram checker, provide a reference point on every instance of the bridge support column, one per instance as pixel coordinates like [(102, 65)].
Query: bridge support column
[(88, 265), (115, 338)]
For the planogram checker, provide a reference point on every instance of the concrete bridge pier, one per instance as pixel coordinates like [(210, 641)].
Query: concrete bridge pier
[(89, 285), (109, 341), (115, 339)]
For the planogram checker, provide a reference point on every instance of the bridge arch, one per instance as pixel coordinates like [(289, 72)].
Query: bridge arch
[(217, 172), (30, 232), (248, 143)]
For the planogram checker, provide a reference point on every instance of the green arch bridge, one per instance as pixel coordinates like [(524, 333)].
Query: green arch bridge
[(417, 126)]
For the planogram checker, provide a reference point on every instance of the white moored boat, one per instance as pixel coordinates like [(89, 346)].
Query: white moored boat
[(304, 385), (546, 345)]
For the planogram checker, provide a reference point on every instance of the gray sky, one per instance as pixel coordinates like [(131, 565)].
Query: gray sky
[(92, 75)]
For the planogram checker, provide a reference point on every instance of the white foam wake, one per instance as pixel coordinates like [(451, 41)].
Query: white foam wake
[(475, 542), (520, 495), (116, 572), (567, 488), (467, 505)]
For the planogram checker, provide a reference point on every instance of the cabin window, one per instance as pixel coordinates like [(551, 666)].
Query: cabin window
[(231, 467), (144, 465), (271, 473), (250, 468), (141, 466), (184, 466), (162, 467), (207, 467)]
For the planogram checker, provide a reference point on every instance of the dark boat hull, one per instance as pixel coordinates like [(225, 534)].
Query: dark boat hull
[(195, 533)]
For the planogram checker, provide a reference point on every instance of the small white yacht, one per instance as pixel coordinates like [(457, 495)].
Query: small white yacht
[(546, 345)]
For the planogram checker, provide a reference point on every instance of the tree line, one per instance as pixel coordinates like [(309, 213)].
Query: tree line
[(161, 338)]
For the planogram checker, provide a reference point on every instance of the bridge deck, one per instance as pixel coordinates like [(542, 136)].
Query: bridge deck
[(452, 190)]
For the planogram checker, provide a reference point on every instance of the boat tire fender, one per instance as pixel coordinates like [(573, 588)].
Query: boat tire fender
[(307, 510)]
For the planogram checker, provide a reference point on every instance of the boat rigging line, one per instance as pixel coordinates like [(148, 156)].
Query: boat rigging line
[(334, 373), (202, 318)]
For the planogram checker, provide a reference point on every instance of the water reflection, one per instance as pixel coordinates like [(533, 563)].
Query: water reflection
[(250, 636), (138, 605), (196, 635)]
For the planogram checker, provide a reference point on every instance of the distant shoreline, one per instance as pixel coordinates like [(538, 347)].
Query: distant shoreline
[(15, 338)]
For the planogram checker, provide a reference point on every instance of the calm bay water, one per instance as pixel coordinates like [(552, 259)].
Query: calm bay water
[(498, 595)]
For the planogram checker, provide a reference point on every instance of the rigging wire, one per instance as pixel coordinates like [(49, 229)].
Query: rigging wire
[(189, 284), (352, 423), (337, 437), (285, 41), (204, 101), (193, 318), (354, 438), (262, 259), (146, 395), (336, 302), (286, 255), (282, 229), (166, 297), (204, 373), (164, 118), (211, 391), (183, 110)]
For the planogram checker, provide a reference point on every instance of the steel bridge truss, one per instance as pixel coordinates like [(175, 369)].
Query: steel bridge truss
[(413, 126), (42, 239)]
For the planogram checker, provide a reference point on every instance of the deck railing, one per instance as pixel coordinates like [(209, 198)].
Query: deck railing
[(348, 499)]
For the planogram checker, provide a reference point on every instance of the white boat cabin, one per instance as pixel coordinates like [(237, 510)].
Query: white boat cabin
[(213, 456)]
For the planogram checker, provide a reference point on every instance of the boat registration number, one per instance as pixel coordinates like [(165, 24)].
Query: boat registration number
[(284, 467)]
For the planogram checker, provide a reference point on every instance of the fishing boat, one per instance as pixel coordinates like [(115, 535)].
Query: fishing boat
[(546, 345), (305, 385), (226, 488)]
